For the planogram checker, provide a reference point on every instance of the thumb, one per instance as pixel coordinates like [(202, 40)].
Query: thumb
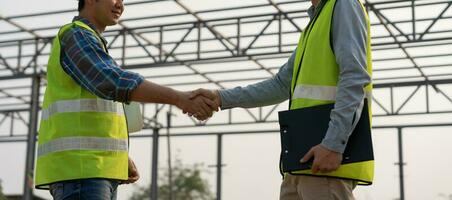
[(307, 156), (195, 93)]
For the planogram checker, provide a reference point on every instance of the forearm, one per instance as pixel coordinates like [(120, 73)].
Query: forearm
[(268, 92), (350, 42), (256, 95), (346, 113), (148, 92)]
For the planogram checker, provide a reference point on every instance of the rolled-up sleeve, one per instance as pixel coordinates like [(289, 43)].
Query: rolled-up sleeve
[(84, 59)]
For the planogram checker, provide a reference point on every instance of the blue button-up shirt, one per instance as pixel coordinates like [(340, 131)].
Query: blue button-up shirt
[(349, 35)]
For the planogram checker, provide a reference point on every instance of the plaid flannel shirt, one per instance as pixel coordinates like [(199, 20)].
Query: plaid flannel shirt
[(83, 58)]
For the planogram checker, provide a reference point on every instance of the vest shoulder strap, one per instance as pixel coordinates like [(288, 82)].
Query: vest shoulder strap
[(67, 27)]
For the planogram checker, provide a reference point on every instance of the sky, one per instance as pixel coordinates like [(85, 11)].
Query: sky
[(251, 161)]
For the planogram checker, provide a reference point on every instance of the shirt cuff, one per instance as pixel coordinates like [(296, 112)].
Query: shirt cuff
[(335, 139), (226, 99), (124, 95)]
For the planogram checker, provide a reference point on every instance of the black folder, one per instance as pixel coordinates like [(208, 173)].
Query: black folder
[(301, 129)]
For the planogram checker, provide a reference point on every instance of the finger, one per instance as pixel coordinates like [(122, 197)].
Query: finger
[(194, 93), (335, 167), (330, 169), (201, 114), (133, 170), (324, 168), (212, 105), (204, 108), (202, 92), (307, 156), (188, 113), (315, 168), (136, 175), (201, 117), (211, 109), (133, 179), (209, 94)]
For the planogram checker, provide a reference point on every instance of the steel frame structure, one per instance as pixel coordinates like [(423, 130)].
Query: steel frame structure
[(410, 62)]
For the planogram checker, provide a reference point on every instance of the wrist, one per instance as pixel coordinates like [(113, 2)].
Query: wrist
[(218, 97), (180, 99), (177, 100), (331, 148)]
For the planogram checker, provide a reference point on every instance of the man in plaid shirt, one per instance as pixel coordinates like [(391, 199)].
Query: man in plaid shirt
[(84, 57)]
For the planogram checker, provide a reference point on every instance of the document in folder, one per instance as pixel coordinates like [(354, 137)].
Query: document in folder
[(301, 129)]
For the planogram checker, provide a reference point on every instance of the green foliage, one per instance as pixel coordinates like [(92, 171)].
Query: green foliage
[(187, 184), (2, 196)]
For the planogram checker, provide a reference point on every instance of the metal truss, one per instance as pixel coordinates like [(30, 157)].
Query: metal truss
[(230, 46)]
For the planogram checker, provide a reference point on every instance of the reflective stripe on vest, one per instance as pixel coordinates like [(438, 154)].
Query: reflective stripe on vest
[(82, 143), (82, 105), (318, 92), (314, 92)]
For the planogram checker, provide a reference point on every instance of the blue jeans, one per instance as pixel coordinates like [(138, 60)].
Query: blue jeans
[(86, 189)]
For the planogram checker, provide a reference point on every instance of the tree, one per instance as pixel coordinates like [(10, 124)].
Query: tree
[(2, 197), (187, 184)]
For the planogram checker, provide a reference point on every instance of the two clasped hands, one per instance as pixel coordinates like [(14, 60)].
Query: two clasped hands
[(200, 103)]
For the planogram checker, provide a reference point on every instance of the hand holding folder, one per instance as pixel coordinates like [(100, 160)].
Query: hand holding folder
[(302, 129), (322, 159)]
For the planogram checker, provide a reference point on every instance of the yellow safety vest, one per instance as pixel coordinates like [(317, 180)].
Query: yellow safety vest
[(315, 78), (80, 135)]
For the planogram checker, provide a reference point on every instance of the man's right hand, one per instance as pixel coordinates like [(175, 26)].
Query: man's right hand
[(211, 97), (210, 94), (200, 107)]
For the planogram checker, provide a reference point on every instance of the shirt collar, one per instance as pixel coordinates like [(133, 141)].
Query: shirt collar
[(91, 25), (311, 11)]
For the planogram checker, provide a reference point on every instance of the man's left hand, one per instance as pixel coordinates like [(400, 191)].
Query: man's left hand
[(325, 160), (133, 173)]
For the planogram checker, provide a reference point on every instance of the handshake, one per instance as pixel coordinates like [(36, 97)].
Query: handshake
[(200, 103)]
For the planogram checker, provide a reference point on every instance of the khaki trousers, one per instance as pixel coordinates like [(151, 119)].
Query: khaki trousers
[(316, 188)]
